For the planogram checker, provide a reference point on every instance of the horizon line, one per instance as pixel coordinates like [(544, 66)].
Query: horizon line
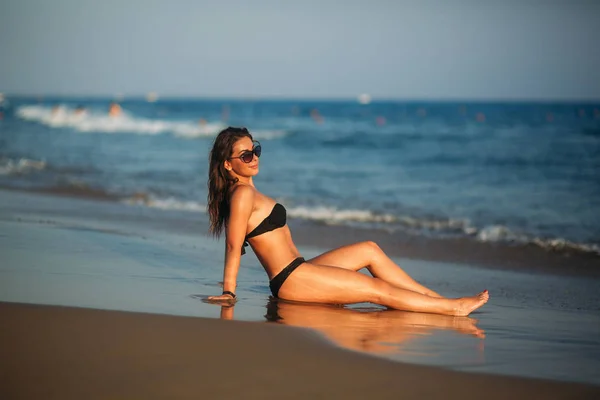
[(373, 99)]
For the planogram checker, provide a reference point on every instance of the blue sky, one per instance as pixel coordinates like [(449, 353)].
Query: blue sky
[(450, 49)]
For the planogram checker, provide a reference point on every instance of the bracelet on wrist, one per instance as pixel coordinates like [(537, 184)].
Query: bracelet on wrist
[(229, 293)]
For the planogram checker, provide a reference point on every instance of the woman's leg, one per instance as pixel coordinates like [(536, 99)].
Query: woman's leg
[(369, 255), (323, 284)]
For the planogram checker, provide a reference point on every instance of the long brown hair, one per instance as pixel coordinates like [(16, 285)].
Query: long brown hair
[(219, 180)]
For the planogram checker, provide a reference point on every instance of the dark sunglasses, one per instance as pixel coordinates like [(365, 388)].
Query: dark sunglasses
[(248, 155)]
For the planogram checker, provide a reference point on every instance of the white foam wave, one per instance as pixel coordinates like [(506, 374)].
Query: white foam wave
[(91, 121), (334, 215), (169, 203), (21, 166), (189, 130), (268, 134), (493, 233), (461, 225), (500, 233), (563, 244), (87, 121)]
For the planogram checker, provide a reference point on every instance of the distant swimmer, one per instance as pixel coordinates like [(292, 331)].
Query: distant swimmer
[(80, 110), (316, 116), (58, 112), (114, 110)]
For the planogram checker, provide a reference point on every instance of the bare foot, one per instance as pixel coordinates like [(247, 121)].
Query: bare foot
[(466, 305)]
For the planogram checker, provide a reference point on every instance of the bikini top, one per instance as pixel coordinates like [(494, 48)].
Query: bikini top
[(275, 220)]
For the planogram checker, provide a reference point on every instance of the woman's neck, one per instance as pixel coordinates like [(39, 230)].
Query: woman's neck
[(245, 180)]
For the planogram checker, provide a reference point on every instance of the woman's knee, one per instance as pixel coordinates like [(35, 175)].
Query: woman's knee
[(372, 248)]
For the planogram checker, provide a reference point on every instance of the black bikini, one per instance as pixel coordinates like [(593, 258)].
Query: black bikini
[(277, 281), (275, 220)]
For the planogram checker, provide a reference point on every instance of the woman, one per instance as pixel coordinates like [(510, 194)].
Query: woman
[(250, 217)]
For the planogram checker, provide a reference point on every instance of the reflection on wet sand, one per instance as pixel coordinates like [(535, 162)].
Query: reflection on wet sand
[(373, 330)]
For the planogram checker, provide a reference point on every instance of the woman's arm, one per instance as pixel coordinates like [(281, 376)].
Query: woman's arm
[(241, 205)]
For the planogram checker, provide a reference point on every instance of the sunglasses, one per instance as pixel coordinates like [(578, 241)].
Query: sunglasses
[(248, 155)]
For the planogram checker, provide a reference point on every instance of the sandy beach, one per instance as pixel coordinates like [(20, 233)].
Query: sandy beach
[(59, 352)]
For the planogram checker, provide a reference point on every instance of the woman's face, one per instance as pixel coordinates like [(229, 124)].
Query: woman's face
[(235, 165)]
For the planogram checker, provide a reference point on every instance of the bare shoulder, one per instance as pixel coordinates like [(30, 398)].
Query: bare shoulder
[(242, 194)]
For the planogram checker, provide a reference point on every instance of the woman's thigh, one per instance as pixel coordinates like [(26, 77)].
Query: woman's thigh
[(353, 257), (325, 284)]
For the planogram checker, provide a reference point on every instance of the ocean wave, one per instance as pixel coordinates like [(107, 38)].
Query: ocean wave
[(169, 203), (268, 134), (21, 166), (89, 121), (566, 245), (335, 216), (460, 227), (502, 234), (446, 225)]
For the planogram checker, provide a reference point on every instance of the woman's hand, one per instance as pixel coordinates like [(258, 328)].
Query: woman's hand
[(223, 299)]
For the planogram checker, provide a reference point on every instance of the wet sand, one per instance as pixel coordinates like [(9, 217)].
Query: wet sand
[(61, 353)]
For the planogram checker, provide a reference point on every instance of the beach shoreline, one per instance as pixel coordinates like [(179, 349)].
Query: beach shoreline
[(85, 353), (505, 256)]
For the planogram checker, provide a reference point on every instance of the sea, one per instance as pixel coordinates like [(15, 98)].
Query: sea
[(509, 173)]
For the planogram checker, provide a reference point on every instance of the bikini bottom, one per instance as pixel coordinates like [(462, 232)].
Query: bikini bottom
[(277, 281)]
